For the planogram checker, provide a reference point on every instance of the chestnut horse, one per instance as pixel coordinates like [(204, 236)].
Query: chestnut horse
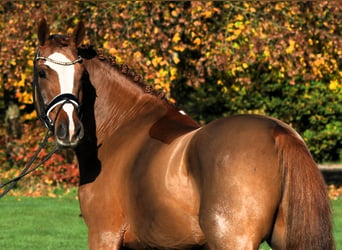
[(151, 177)]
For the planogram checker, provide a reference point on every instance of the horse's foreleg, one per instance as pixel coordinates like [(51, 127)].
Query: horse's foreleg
[(102, 239), (106, 227)]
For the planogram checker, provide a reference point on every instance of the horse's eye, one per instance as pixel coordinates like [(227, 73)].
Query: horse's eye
[(41, 74)]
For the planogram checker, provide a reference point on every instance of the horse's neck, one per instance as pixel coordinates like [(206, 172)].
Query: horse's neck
[(119, 101)]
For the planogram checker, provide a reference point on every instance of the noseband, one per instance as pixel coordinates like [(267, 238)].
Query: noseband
[(44, 110)]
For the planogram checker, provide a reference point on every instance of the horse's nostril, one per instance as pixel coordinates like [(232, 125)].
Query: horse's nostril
[(79, 131), (62, 131)]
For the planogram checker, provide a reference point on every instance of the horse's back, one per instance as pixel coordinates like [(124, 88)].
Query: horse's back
[(235, 164), (241, 138)]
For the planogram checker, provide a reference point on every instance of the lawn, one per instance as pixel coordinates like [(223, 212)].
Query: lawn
[(337, 210), (55, 223), (41, 223)]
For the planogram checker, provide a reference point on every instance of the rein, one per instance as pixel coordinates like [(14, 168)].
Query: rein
[(27, 169)]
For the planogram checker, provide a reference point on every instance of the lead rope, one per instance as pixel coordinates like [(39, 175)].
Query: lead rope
[(27, 169)]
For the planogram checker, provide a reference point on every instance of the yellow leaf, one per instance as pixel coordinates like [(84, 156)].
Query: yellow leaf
[(175, 58), (137, 55), (176, 38), (208, 14), (239, 17), (13, 62), (310, 41), (266, 52), (30, 63), (173, 73), (291, 47), (162, 73), (237, 32), (179, 47), (112, 51), (199, 8), (157, 61), (333, 84), (197, 41), (230, 27), (174, 13), (125, 44)]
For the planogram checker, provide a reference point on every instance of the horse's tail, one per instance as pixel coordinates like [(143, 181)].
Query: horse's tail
[(305, 203)]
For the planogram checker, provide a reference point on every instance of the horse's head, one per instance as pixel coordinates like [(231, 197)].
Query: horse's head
[(58, 83)]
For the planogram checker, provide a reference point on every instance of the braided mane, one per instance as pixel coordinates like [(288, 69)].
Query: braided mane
[(87, 52), (173, 124)]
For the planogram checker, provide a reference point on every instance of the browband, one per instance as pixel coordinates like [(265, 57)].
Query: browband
[(79, 59)]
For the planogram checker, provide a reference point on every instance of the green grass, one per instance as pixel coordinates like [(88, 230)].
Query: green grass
[(337, 211), (54, 223), (41, 223)]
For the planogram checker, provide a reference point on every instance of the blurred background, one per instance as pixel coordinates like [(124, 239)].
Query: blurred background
[(212, 59)]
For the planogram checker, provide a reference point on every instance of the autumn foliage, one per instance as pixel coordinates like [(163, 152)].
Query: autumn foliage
[(213, 59), (61, 170)]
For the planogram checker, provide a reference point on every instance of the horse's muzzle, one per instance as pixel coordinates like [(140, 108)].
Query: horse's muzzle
[(66, 137), (68, 129)]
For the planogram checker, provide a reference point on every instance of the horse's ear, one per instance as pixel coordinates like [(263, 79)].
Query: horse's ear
[(43, 31), (78, 34)]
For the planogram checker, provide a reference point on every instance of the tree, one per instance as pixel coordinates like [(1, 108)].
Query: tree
[(282, 59)]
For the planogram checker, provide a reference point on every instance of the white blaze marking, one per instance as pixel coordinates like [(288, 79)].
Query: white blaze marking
[(66, 83), (69, 108), (65, 72)]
